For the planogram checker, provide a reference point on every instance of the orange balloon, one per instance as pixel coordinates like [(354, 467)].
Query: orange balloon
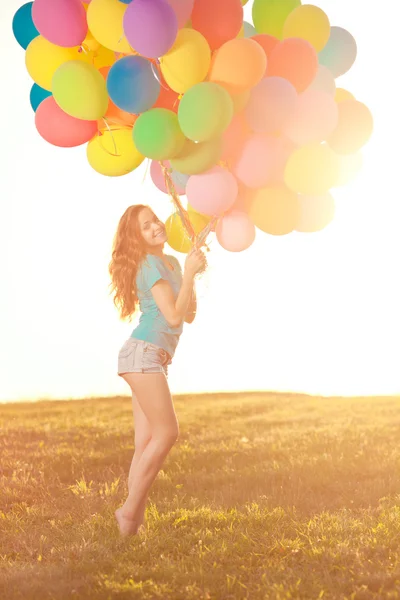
[(167, 98), (267, 43), (275, 210), (219, 21), (238, 65), (233, 139), (354, 127), (115, 115), (295, 60)]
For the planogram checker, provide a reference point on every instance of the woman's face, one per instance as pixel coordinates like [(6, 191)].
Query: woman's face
[(152, 229)]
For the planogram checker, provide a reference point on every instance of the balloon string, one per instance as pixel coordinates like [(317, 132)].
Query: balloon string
[(112, 137), (178, 205)]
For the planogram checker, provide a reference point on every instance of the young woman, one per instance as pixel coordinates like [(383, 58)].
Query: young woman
[(142, 273)]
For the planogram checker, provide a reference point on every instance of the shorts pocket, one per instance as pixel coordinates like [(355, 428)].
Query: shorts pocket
[(127, 349)]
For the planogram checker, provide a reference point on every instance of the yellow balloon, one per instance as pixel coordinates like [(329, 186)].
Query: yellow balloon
[(80, 90), (90, 43), (105, 21), (188, 61), (113, 153), (244, 2), (191, 211), (241, 32), (342, 94), (43, 58), (102, 57), (312, 169), (274, 210), (178, 239), (310, 23)]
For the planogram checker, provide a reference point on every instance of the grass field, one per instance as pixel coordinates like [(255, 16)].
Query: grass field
[(264, 496)]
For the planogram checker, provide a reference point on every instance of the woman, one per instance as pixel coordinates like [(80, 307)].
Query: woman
[(141, 272)]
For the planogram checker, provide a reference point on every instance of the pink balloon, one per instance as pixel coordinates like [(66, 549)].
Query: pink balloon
[(60, 129), (314, 119), (157, 177), (212, 192), (261, 158), (183, 10), (235, 231), (150, 26), (61, 22), (271, 103)]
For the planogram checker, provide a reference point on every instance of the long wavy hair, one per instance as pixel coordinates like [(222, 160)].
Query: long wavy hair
[(128, 252)]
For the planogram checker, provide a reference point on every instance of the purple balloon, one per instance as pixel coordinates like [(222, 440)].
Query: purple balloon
[(150, 26)]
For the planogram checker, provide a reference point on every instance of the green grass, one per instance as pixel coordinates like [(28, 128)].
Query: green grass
[(264, 496)]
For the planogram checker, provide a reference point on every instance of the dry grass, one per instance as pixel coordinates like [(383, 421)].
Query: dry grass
[(264, 496)]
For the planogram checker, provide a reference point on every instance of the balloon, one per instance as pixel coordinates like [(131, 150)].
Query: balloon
[(37, 95), (80, 90), (260, 158), (183, 10), (102, 57), (354, 127), (105, 21), (244, 198), (314, 119), (244, 2), (177, 235), (316, 212), (240, 101), (217, 21), (309, 23), (271, 104), (323, 81), (23, 27), (61, 22), (157, 134), (180, 180), (205, 111), (150, 27), (342, 94), (157, 177), (197, 158), (238, 65), (131, 84), (114, 153), (267, 43), (269, 16), (247, 30), (312, 170), (275, 210), (235, 231), (295, 60), (114, 114), (60, 129), (187, 62), (233, 139), (42, 59), (212, 192), (168, 98), (340, 51), (349, 166)]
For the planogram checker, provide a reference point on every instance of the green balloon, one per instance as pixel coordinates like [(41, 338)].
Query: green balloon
[(157, 134), (269, 16), (205, 111), (197, 158)]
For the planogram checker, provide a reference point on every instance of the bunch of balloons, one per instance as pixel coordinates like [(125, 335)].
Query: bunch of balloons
[(244, 119)]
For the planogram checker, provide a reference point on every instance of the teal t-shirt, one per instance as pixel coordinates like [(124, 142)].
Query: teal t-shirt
[(153, 326)]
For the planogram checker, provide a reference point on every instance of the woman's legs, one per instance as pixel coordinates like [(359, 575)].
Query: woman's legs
[(154, 398)]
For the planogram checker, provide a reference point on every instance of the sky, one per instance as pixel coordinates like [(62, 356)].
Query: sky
[(308, 313)]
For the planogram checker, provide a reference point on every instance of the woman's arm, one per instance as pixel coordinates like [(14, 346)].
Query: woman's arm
[(173, 310), (191, 312)]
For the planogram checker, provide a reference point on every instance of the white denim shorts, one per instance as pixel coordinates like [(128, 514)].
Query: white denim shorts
[(138, 356)]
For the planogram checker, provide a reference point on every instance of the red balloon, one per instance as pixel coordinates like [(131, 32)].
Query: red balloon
[(295, 60), (60, 129), (267, 43), (218, 20)]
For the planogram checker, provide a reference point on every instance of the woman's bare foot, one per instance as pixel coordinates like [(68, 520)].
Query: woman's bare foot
[(127, 526)]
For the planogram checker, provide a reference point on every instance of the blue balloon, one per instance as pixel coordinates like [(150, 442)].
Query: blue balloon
[(23, 28), (179, 179), (38, 94), (132, 84)]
